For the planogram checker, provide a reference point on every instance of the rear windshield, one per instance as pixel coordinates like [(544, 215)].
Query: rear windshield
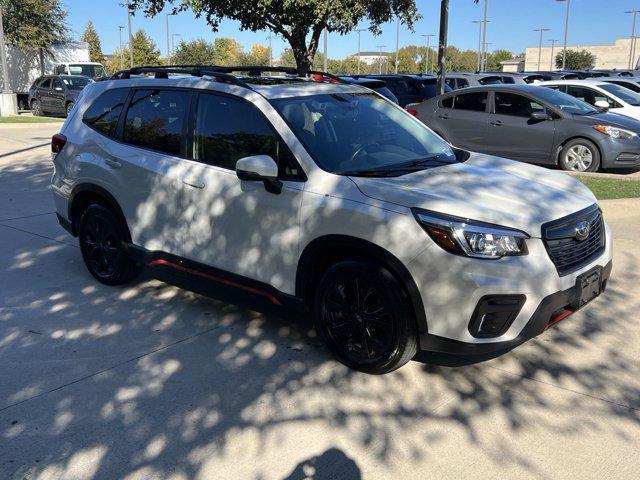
[(91, 71), (565, 102), (490, 81), (76, 83), (348, 132), (623, 93)]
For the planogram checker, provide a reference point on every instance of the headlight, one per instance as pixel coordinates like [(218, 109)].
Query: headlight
[(470, 238), (615, 132)]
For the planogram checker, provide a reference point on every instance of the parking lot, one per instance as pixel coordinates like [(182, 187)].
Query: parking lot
[(151, 381)]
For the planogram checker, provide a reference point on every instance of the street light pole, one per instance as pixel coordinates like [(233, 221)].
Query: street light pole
[(479, 22), (173, 45), (633, 34), (380, 47), (168, 51), (324, 64), (553, 44), (120, 27), (541, 30), (358, 31), (566, 32), (270, 50), (426, 60), (484, 36), (130, 36), (397, 43)]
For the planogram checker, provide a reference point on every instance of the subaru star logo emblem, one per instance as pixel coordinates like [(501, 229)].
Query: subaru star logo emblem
[(582, 231)]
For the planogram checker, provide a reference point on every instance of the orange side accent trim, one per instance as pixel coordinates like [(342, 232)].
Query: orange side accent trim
[(160, 261)]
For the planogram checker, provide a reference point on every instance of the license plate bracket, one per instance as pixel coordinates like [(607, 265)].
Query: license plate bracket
[(588, 287)]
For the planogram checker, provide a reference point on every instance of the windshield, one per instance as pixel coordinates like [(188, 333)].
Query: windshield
[(385, 92), (624, 94), (91, 71), (76, 83), (362, 133), (565, 102)]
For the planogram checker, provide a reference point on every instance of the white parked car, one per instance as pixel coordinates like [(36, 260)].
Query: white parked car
[(601, 94), (325, 197)]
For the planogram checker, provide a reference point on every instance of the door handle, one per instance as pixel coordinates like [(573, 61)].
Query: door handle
[(496, 123), (193, 183), (112, 163), (444, 117)]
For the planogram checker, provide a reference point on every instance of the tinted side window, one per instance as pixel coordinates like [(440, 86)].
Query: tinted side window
[(103, 113), (447, 103), (155, 120), (56, 83), (476, 101), (46, 83), (517, 105), (462, 83), (228, 130), (630, 85), (451, 82)]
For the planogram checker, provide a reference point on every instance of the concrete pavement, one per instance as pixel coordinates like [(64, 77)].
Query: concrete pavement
[(150, 381)]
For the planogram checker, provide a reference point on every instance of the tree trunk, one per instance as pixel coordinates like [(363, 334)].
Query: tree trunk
[(302, 52), (442, 48)]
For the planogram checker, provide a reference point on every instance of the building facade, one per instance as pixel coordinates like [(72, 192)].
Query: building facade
[(607, 56)]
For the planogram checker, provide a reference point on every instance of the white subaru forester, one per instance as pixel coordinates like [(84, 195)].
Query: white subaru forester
[(304, 192)]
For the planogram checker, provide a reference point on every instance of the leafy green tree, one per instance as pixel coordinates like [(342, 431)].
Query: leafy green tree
[(112, 63), (299, 22), (33, 24), (145, 51), (90, 35), (228, 51), (287, 59), (195, 52), (461, 60), (494, 59), (258, 55), (577, 60), (409, 60)]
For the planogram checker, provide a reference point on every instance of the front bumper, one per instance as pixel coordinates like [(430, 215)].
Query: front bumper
[(620, 153), (451, 287), (551, 309)]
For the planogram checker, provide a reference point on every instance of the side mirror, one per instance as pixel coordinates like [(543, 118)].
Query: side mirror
[(540, 116), (602, 105), (260, 168)]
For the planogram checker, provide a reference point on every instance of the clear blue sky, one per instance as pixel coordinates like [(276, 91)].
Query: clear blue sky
[(511, 27)]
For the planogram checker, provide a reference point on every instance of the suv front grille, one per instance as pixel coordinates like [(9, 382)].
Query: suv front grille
[(568, 250)]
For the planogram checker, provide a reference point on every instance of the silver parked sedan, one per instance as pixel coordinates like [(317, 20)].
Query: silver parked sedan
[(533, 124)]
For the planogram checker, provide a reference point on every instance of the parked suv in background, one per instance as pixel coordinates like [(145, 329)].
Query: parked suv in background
[(329, 198), (56, 94), (410, 88), (533, 124)]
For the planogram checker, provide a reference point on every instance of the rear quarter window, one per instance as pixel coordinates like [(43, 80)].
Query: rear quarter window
[(104, 112)]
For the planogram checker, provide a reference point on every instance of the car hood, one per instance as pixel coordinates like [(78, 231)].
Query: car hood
[(488, 189), (613, 119)]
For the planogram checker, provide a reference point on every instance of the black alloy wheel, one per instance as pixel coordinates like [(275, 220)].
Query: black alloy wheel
[(102, 240), (362, 314)]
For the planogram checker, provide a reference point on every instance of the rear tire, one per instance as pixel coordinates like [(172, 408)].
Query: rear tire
[(69, 107), (364, 316), (580, 155), (102, 237), (36, 111)]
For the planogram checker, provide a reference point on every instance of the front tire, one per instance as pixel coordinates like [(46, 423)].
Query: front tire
[(102, 237), (69, 107), (580, 155), (36, 111), (364, 316)]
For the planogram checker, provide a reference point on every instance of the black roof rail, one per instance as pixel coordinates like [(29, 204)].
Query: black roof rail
[(222, 72)]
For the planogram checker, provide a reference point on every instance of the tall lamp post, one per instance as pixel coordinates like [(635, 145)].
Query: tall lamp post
[(426, 60), (130, 36), (553, 45), (483, 62), (380, 47), (397, 43), (633, 37), (541, 30), (326, 53), (270, 50), (120, 28), (566, 32), (167, 15), (173, 45), (358, 32)]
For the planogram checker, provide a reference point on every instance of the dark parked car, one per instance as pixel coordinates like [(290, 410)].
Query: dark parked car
[(410, 88), (534, 124), (56, 94), (375, 84)]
